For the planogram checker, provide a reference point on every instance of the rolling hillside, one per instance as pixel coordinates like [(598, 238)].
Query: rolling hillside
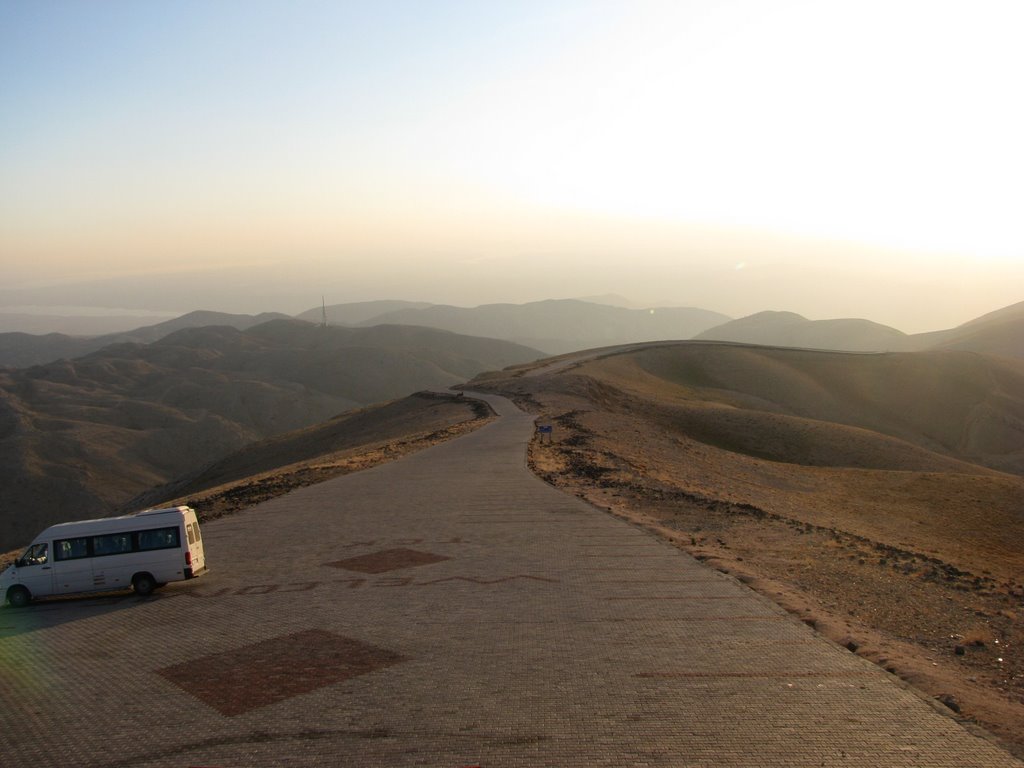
[(77, 438), (942, 404)]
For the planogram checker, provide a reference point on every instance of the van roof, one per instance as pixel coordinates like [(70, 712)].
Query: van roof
[(181, 509), (71, 524)]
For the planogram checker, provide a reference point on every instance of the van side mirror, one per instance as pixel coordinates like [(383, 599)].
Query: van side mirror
[(19, 563)]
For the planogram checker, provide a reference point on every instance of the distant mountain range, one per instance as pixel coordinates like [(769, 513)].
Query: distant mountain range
[(997, 333), (20, 350), (552, 327), (74, 325), (569, 325), (79, 437), (555, 326), (358, 313)]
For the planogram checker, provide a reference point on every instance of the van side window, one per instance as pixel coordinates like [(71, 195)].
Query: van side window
[(71, 549), (35, 555), (160, 538), (112, 544)]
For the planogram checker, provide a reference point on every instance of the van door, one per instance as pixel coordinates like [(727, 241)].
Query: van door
[(34, 570), (197, 555), (72, 565), (112, 561)]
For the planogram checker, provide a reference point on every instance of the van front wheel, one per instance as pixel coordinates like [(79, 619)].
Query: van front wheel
[(18, 597), (143, 584)]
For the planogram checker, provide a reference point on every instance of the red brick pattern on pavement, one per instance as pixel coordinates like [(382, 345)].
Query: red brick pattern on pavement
[(233, 682)]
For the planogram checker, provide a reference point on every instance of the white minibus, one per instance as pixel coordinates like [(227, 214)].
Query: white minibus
[(142, 551)]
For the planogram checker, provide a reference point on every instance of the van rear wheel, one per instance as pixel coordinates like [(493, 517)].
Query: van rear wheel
[(18, 597), (143, 584)]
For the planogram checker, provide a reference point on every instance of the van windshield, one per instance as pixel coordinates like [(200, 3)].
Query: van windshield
[(37, 554)]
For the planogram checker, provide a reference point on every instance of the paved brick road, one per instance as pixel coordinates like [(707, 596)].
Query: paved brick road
[(449, 610)]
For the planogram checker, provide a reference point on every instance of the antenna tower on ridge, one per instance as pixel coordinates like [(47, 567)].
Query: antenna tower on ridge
[(323, 313)]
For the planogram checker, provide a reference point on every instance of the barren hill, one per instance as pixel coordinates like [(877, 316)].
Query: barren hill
[(789, 329), (951, 404), (997, 333), (1012, 312), (78, 438)]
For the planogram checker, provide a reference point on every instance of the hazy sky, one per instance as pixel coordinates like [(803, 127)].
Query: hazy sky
[(832, 158)]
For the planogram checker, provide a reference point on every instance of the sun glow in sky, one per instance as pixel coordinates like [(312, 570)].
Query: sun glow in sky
[(831, 158)]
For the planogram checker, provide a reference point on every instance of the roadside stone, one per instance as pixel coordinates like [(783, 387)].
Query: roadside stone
[(950, 702)]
